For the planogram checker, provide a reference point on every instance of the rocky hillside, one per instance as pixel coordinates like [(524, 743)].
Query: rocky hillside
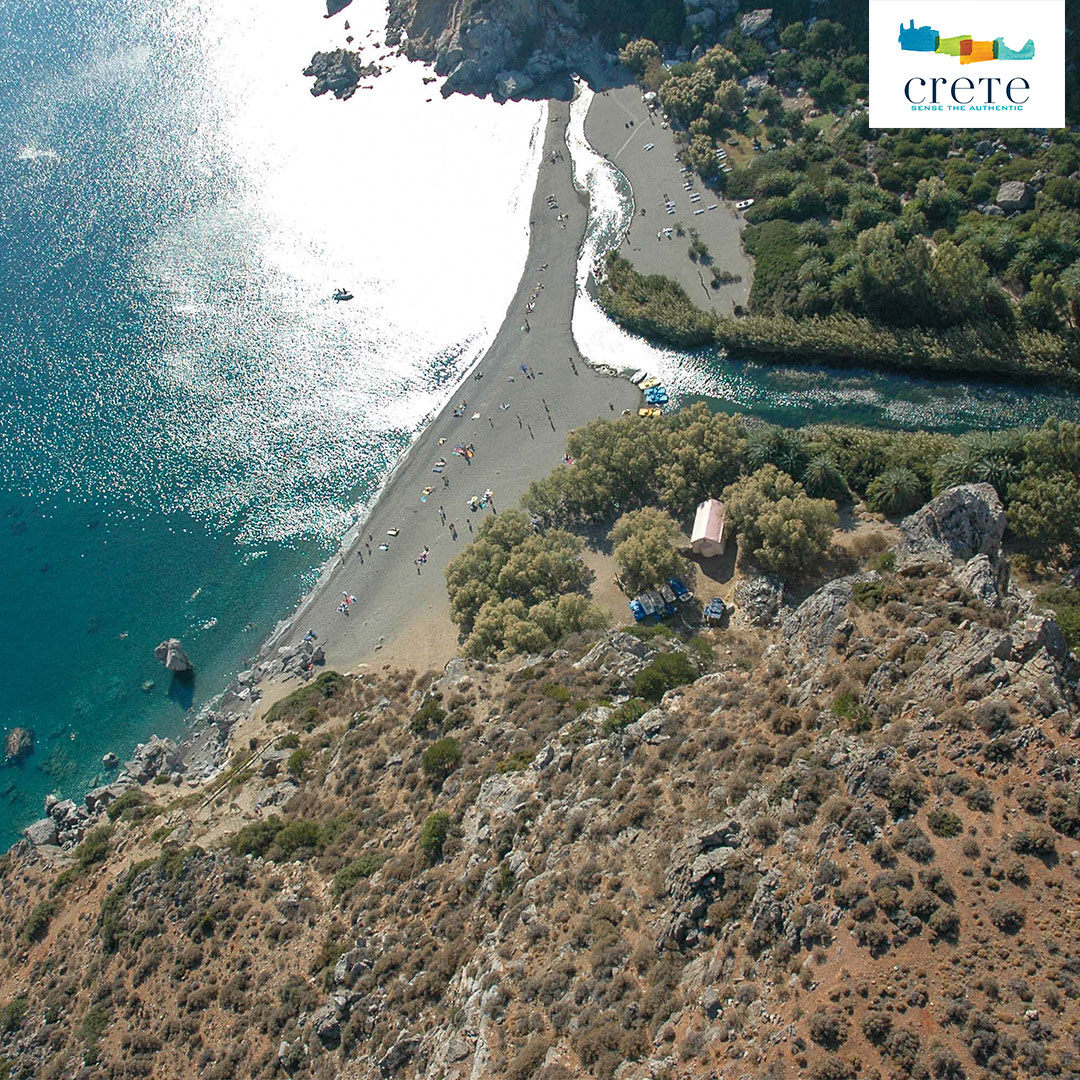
[(842, 844)]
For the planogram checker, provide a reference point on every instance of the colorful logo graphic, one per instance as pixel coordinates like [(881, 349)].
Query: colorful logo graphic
[(925, 39)]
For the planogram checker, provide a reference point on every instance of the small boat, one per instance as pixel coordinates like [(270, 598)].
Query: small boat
[(651, 381), (638, 376), (652, 412), (342, 294)]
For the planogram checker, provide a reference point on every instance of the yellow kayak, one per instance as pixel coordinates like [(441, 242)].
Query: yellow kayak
[(649, 411)]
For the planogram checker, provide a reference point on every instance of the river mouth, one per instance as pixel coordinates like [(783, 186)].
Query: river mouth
[(794, 395)]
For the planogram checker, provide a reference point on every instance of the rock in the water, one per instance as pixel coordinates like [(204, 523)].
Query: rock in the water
[(338, 71), (1015, 195), (334, 6), (18, 744), (171, 654), (960, 523), (110, 760)]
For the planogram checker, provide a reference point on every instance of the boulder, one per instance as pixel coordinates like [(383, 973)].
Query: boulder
[(399, 1055), (1035, 633), (154, 757), (755, 24), (809, 630), (1015, 195), (960, 523), (109, 760), (984, 580), (18, 744), (171, 654), (327, 1027), (334, 6), (758, 599), (42, 832)]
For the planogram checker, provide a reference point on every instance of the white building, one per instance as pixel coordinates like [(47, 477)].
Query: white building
[(708, 538)]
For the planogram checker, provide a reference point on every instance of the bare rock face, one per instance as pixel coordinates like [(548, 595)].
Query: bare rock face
[(758, 599), (1015, 195), (18, 744), (756, 23), (171, 654), (960, 523), (154, 757)]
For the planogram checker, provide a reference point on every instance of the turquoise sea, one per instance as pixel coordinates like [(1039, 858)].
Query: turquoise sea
[(187, 422)]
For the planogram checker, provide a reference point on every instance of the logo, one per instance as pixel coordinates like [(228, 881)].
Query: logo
[(928, 76), (970, 51)]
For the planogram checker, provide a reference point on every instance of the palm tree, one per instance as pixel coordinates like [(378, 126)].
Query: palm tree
[(895, 491), (822, 477)]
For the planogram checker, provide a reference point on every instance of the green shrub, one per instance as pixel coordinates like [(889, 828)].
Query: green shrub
[(428, 717), (302, 708), (440, 759), (94, 848), (557, 693), (13, 1014), (289, 742), (433, 834), (516, 762), (624, 715), (37, 922), (665, 673), (1007, 916), (944, 822), (360, 868), (298, 759)]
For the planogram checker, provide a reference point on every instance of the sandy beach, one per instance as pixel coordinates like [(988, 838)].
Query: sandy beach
[(516, 421), (655, 178)]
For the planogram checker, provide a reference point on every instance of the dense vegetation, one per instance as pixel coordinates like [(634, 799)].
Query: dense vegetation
[(522, 586), (677, 460), (870, 246)]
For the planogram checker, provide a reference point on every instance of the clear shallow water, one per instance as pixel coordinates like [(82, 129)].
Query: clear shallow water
[(792, 395), (187, 422)]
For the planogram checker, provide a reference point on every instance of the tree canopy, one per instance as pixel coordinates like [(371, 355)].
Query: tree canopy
[(645, 549), (778, 525)]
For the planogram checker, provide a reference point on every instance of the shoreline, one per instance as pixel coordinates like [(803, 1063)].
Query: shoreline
[(397, 600), (394, 596)]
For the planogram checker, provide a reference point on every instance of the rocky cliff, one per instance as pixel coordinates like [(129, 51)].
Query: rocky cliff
[(848, 846), (502, 47)]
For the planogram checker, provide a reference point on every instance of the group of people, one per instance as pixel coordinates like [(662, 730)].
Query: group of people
[(343, 609)]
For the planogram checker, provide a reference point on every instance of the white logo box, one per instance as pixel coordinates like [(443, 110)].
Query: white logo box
[(922, 89)]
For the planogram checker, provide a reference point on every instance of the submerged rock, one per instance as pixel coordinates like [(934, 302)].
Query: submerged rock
[(171, 654), (18, 744)]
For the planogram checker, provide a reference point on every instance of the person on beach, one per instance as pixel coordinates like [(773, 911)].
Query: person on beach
[(442, 516), (453, 531), (518, 419)]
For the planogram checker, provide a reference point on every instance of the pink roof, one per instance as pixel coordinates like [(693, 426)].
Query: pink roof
[(709, 522)]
